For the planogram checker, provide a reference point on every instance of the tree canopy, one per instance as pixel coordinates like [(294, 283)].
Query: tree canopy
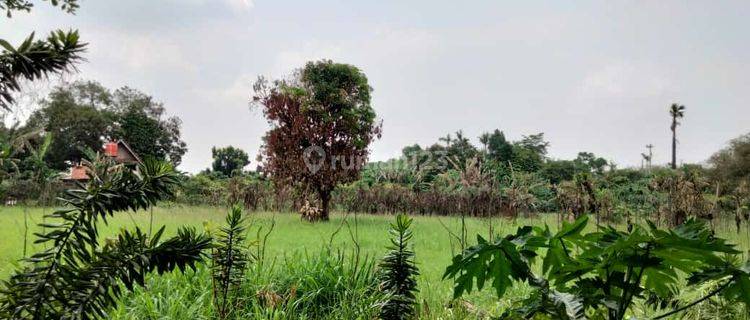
[(228, 160), (731, 165), (321, 125), (83, 115)]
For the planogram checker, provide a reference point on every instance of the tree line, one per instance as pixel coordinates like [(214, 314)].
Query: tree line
[(78, 117)]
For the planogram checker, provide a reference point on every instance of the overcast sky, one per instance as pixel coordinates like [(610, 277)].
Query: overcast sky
[(593, 76)]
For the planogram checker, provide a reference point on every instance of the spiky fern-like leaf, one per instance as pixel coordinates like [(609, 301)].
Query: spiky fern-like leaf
[(36, 59), (398, 273), (67, 280), (230, 260), (128, 260)]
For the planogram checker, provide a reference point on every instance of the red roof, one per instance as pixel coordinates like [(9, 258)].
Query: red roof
[(110, 149), (78, 173)]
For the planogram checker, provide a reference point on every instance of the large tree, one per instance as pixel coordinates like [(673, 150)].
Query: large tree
[(677, 112), (499, 148), (141, 121), (731, 165), (535, 143), (590, 162), (322, 123), (84, 114), (228, 160), (76, 126), (461, 148)]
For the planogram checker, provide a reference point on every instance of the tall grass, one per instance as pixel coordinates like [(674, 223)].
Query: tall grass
[(303, 256), (325, 285)]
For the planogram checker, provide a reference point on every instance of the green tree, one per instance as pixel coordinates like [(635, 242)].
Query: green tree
[(588, 162), (322, 123), (677, 112), (526, 159), (536, 143), (84, 114), (25, 5), (484, 139), (556, 171), (499, 148), (731, 165), (447, 139), (229, 160), (13, 141), (461, 148), (141, 122), (230, 259), (75, 126)]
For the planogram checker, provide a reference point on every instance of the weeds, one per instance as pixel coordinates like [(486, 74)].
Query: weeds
[(230, 259), (398, 273)]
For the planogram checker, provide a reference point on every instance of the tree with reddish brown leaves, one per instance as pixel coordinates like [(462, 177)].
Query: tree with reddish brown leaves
[(321, 125)]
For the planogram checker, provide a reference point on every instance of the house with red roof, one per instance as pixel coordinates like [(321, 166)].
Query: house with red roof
[(118, 150)]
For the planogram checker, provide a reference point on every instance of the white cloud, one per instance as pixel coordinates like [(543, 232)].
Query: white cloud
[(240, 90), (621, 79), (241, 5), (238, 5), (140, 52), (288, 60)]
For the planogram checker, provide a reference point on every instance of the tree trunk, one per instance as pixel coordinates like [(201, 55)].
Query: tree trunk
[(674, 144), (325, 200)]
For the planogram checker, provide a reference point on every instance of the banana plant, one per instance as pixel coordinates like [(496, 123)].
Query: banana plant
[(12, 142), (42, 173)]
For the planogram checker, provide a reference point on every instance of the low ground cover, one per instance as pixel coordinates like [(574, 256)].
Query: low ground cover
[(301, 257)]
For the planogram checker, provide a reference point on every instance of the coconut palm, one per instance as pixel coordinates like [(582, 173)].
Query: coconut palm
[(447, 139), (484, 139), (677, 111)]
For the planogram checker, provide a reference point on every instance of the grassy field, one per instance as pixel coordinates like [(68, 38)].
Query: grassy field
[(291, 239)]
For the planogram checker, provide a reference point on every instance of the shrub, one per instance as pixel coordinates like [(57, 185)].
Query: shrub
[(398, 273), (230, 258), (601, 274)]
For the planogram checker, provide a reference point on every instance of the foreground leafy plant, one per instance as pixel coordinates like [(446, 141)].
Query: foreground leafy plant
[(601, 274), (398, 273), (230, 260), (75, 277), (36, 59)]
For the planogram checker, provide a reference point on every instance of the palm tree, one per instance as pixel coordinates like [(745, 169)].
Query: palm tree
[(12, 141), (677, 112), (447, 139), (484, 139), (460, 138)]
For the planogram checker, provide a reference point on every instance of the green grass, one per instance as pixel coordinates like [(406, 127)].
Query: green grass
[(176, 296)]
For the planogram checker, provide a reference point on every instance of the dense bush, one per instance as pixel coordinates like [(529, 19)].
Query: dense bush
[(30, 192)]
